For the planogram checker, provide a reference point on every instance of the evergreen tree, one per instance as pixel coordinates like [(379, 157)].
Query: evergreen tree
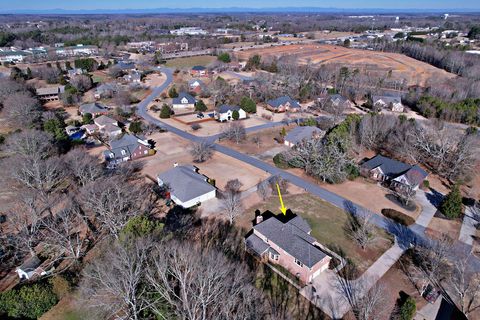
[(452, 204), (200, 106), (248, 105), (235, 115), (165, 112)]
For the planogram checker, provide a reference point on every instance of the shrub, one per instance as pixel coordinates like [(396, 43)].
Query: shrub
[(267, 116), (408, 309), (452, 203), (248, 105), (2, 138), (87, 118), (60, 286), (426, 184), (172, 93), (195, 126), (235, 115), (352, 171), (398, 217), (30, 301), (279, 161), (224, 57), (166, 112), (135, 127), (141, 226), (200, 106)]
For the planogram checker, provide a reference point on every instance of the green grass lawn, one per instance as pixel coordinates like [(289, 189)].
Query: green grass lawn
[(327, 223), (187, 63)]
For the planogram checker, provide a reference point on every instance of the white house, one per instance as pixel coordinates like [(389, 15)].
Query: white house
[(184, 100), (387, 102), (225, 113), (30, 268), (187, 187)]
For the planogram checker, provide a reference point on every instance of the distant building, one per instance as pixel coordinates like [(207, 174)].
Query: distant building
[(184, 100), (298, 134), (198, 71), (50, 93), (196, 86), (225, 113), (128, 147), (191, 31), (186, 186), (392, 103), (13, 55), (95, 109), (283, 104), (78, 50)]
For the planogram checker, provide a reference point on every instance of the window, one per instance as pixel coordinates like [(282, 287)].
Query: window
[(298, 263), (145, 152), (273, 256), (123, 152)]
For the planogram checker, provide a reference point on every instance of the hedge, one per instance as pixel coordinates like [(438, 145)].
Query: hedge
[(398, 217)]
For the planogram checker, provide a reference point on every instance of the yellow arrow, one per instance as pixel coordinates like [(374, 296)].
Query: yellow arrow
[(282, 208)]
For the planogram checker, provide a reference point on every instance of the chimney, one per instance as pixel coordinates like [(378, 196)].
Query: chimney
[(259, 219)]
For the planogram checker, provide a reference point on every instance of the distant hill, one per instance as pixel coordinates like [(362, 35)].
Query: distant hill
[(238, 10)]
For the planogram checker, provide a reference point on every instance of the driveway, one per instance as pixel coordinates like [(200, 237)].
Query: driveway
[(468, 230), (429, 202)]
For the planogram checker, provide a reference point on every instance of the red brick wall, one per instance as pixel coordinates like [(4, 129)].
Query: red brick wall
[(140, 152)]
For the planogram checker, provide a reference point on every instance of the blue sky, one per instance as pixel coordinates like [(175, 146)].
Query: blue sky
[(146, 4)]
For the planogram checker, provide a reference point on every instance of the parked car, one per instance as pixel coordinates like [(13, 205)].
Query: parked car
[(431, 294), (200, 115)]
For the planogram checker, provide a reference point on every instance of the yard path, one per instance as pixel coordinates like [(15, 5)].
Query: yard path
[(468, 230)]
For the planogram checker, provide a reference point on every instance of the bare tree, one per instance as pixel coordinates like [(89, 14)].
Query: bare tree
[(201, 151), (194, 282), (360, 229), (114, 282), (233, 131), (84, 167), (263, 189), (22, 109), (31, 143), (257, 140), (466, 285), (65, 233), (81, 82), (231, 200), (113, 201)]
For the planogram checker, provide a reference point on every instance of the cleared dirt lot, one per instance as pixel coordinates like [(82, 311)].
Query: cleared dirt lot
[(373, 62), (171, 149)]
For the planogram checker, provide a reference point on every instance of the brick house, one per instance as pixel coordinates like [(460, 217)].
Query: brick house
[(290, 245), (283, 104), (128, 147)]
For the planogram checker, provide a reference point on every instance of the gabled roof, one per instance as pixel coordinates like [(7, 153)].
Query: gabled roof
[(282, 100), (387, 99), (185, 182), (194, 81), (393, 169), (338, 97), (256, 244), (128, 143), (224, 108), (198, 68), (109, 128), (300, 133), (292, 238), (50, 90), (181, 95), (92, 108), (104, 120)]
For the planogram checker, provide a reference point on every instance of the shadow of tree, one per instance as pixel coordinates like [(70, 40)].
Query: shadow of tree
[(434, 197)]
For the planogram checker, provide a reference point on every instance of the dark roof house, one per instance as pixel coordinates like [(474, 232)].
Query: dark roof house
[(127, 147), (183, 98), (93, 108), (283, 104), (301, 133), (387, 169)]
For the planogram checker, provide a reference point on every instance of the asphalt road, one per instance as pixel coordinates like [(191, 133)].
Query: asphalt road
[(405, 236)]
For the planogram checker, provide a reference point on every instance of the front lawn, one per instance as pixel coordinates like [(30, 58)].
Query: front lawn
[(327, 223), (183, 63)]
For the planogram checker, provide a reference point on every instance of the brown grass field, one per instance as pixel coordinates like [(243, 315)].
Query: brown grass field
[(372, 62)]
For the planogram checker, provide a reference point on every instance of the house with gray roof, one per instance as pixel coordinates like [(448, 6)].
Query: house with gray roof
[(186, 186), (392, 103), (95, 109), (225, 113), (184, 100), (398, 174), (283, 104), (30, 269), (50, 93), (290, 245), (127, 147), (300, 133), (336, 100)]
